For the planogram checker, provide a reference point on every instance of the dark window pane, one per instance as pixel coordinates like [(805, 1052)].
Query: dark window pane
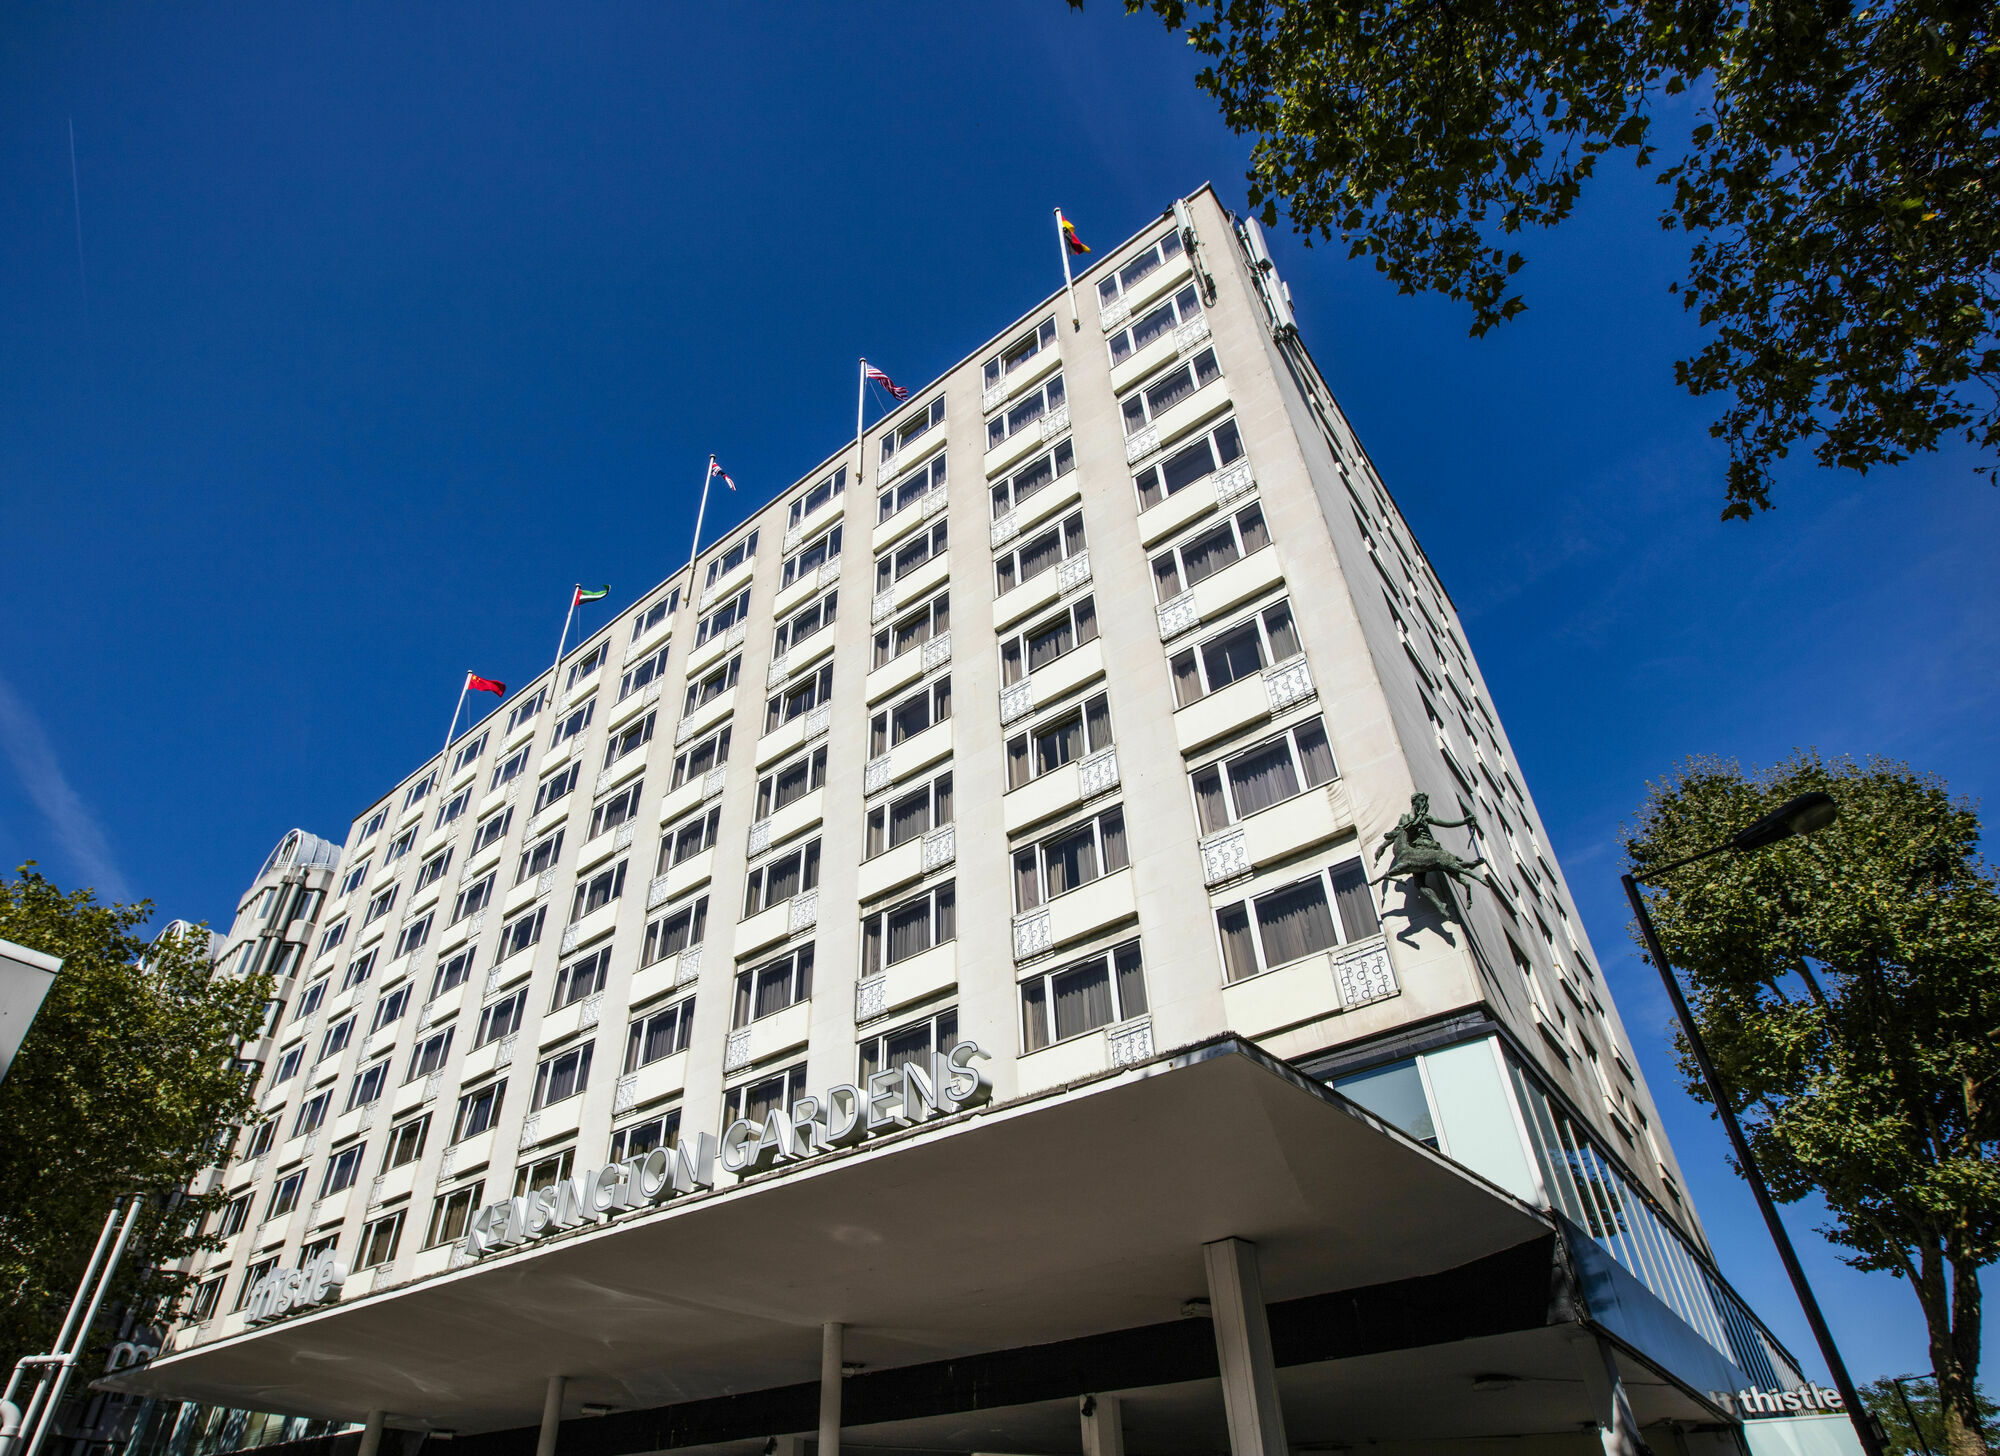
[(1357, 908), (1083, 999), (1295, 922), (1262, 777)]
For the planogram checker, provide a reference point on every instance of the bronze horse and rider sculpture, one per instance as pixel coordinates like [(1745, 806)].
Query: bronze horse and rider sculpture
[(1418, 855)]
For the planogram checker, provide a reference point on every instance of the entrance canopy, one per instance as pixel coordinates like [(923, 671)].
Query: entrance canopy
[(1067, 1215)]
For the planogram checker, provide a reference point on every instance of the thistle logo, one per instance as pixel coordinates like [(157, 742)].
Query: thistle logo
[(316, 1281)]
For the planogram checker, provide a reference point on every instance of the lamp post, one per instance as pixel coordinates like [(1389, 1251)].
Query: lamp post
[(1802, 815)]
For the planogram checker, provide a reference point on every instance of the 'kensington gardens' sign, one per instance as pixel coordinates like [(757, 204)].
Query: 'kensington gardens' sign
[(845, 1115)]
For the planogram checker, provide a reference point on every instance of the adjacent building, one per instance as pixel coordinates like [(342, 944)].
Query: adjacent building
[(919, 978)]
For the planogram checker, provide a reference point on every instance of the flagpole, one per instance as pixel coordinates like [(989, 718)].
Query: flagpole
[(1062, 247), (463, 688), (860, 409), (563, 641), (700, 511)]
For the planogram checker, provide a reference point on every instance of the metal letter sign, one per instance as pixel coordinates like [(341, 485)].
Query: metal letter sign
[(316, 1281), (897, 1098)]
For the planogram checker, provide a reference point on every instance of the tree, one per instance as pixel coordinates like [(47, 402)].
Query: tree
[(1836, 180), (125, 1083), (1848, 986), (1918, 1398)]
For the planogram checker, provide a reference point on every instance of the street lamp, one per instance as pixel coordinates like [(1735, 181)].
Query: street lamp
[(1802, 815)]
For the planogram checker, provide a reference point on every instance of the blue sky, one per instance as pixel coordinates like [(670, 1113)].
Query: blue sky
[(393, 323)]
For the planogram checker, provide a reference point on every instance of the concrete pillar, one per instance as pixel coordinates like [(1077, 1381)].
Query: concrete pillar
[(829, 1389), (371, 1434), (1610, 1408), (1103, 1425), (1243, 1345), (552, 1400)]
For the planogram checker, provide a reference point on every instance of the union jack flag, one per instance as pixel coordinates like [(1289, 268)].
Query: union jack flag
[(896, 391), (715, 469)]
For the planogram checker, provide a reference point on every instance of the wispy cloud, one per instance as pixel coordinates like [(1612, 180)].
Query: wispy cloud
[(76, 831)]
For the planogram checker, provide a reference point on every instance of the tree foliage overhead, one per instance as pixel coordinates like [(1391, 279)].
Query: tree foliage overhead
[(1848, 987), (1839, 176), (125, 1081)]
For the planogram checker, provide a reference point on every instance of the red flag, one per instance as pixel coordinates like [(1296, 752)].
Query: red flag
[(476, 684)]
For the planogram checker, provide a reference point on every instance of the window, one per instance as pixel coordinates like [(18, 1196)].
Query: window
[(642, 1137), (478, 1111), (687, 839), (629, 739), (539, 856), (502, 1018), (714, 685), (473, 898), (755, 1101), (417, 791), (310, 998), (207, 1295), (598, 891), (510, 767), (804, 623), (642, 676), (525, 710), (770, 989), (373, 826), (835, 484), (492, 829), (261, 1138), (573, 723), (451, 809), (1331, 907), (584, 666), (1093, 993), (451, 1213), (369, 1086), (251, 1276), (729, 560), (389, 1010), (1043, 470), (658, 612), (355, 878), (1023, 349), (1143, 406), (288, 1065), (1275, 770), (1155, 323), (616, 810), (799, 699), (400, 845), (719, 621), (379, 1240), (1025, 411), (1041, 552), (1113, 287), (452, 972), (911, 928), (562, 1076), (306, 906), (285, 1197), (912, 488), (708, 754), (332, 936), (912, 1045), (543, 1172), (429, 1054), (1050, 745), (1072, 627), (1070, 860), (383, 902), (312, 1114), (781, 877), (892, 566), (406, 1142), (811, 557), (658, 1034), (522, 931), (412, 936), (924, 419), (234, 1215), (790, 782), (581, 978), (932, 619), (433, 869), (901, 820), (335, 1039), (358, 969), (1241, 651), (341, 1171), (929, 704), (1395, 1094), (674, 931), (1194, 560)]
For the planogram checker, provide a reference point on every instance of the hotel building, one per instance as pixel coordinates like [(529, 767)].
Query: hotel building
[(916, 981)]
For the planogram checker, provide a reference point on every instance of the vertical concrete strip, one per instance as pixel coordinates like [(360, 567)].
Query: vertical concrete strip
[(1243, 1345), (829, 1390), (371, 1435), (1617, 1427), (552, 1401), (1103, 1425)]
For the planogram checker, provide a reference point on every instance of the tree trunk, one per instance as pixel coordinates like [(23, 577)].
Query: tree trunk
[(1954, 1339)]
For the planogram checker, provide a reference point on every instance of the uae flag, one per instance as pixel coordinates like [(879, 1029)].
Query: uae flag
[(586, 594)]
